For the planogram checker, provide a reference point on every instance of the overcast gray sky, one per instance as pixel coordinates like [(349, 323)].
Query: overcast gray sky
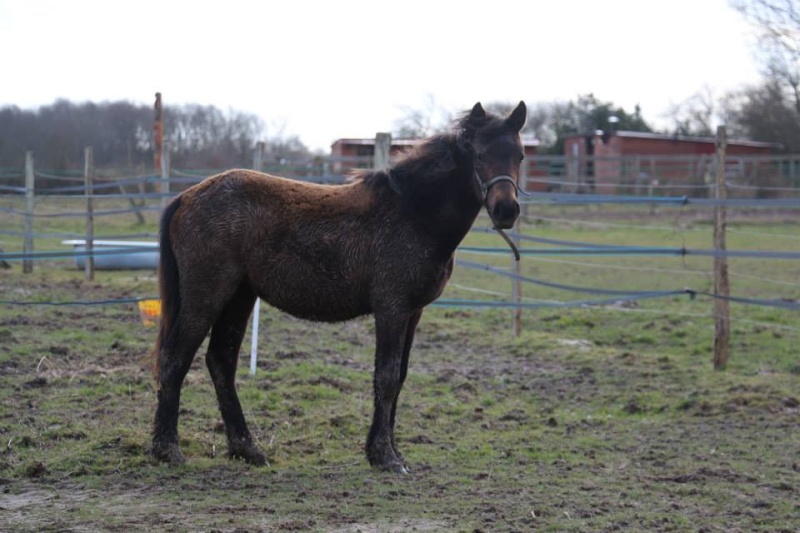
[(349, 68)]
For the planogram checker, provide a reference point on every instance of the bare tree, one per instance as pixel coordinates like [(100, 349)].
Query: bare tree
[(778, 25), (121, 134), (763, 113), (696, 115), (420, 123)]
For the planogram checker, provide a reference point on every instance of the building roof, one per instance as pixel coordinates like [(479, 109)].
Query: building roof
[(680, 138), (687, 138)]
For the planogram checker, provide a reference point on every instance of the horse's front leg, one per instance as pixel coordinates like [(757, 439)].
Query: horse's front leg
[(391, 334), (409, 340)]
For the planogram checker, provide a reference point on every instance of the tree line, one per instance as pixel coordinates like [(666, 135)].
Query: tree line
[(209, 138), (122, 136), (205, 137), (766, 112)]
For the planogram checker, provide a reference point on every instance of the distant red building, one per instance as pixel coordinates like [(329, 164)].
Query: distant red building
[(627, 158), (627, 143)]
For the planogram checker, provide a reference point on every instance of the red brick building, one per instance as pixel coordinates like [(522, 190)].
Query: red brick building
[(628, 143), (624, 159)]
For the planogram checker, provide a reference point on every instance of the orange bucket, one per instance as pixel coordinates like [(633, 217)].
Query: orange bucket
[(150, 312)]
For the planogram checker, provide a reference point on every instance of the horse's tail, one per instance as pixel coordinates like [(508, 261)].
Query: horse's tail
[(168, 284)]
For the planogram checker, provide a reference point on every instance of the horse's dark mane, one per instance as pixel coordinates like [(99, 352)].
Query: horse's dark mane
[(422, 163), (435, 157)]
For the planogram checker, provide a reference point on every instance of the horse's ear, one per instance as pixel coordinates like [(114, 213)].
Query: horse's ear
[(517, 117), (477, 112), (471, 122)]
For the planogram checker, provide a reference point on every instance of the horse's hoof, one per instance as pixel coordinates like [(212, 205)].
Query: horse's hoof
[(392, 465), (394, 468), (168, 453), (250, 455), (386, 459)]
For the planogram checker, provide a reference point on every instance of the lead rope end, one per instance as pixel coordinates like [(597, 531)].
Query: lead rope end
[(509, 242)]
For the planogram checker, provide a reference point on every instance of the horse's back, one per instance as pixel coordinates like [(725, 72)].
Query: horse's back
[(301, 247)]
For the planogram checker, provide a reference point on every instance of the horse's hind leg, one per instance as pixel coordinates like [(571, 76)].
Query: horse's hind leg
[(222, 358), (175, 359)]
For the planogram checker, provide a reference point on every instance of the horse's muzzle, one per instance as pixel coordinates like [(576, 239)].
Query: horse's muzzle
[(504, 214)]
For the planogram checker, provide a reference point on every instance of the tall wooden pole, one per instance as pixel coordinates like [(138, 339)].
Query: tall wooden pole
[(88, 175), (721, 284), (258, 157), (158, 134), (516, 320), (164, 175), (27, 247)]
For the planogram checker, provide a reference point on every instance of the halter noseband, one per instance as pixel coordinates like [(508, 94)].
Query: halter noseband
[(484, 187)]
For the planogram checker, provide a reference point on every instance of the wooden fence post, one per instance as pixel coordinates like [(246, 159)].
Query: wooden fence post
[(516, 266), (158, 135), (164, 175), (258, 162), (27, 264), (88, 176), (258, 157), (383, 145), (721, 284), (516, 322), (523, 181)]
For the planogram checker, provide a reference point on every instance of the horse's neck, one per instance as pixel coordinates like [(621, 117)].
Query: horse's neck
[(452, 211)]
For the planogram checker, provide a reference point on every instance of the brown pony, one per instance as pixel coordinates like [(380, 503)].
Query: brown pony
[(382, 245)]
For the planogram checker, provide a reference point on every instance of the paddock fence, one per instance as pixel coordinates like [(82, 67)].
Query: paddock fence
[(760, 187)]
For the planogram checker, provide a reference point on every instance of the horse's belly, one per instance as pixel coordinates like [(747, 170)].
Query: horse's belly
[(312, 295), (320, 310)]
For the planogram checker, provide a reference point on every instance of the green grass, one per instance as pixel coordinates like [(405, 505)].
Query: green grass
[(594, 419)]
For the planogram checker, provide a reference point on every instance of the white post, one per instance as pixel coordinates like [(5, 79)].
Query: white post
[(254, 338)]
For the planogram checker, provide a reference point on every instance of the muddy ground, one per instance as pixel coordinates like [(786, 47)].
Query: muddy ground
[(558, 430)]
